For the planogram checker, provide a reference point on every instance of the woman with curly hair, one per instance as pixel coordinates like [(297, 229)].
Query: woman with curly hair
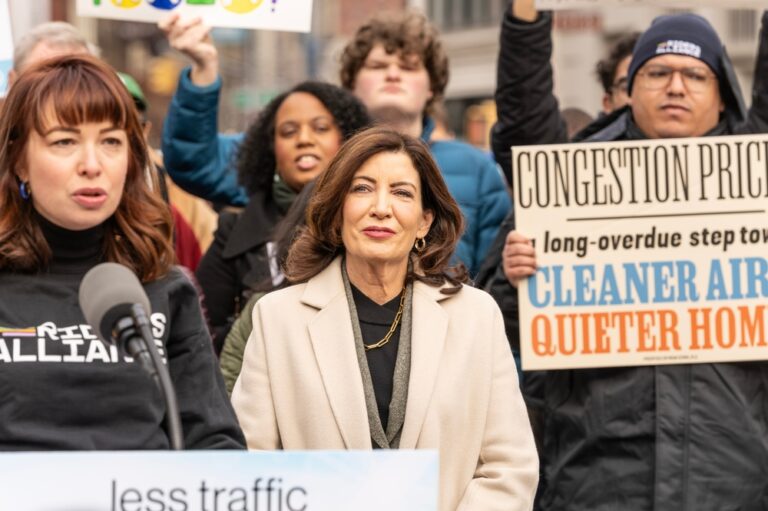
[(290, 144)]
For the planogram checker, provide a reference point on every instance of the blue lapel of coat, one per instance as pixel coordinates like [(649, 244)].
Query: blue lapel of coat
[(430, 326), (330, 332)]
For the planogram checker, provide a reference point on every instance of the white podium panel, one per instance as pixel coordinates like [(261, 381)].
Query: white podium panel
[(219, 481)]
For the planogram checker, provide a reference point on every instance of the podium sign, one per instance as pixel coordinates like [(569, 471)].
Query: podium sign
[(220, 481)]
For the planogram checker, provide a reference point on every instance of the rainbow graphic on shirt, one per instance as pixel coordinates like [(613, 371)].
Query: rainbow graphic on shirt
[(18, 332)]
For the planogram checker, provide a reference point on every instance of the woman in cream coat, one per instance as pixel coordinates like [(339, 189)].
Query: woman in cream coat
[(381, 345)]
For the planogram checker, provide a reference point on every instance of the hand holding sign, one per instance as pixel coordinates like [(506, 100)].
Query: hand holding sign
[(518, 258), (193, 38)]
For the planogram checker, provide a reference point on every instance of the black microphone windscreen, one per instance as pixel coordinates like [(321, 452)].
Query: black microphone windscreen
[(107, 293)]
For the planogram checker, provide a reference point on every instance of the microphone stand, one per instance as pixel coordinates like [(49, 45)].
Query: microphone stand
[(135, 334)]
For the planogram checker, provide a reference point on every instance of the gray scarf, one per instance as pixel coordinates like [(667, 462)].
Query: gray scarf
[(391, 438)]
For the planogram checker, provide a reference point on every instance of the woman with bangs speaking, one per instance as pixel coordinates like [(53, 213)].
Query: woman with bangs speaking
[(73, 194)]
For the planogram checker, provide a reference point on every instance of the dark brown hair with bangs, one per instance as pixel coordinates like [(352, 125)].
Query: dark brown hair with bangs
[(79, 89), (320, 241)]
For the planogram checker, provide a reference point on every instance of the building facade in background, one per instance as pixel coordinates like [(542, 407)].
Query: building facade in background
[(258, 65)]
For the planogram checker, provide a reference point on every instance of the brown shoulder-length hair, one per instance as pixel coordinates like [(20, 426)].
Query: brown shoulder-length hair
[(320, 241), (79, 89)]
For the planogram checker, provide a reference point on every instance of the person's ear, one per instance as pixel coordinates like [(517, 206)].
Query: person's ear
[(427, 217), (11, 78), (21, 170), (146, 128), (607, 103)]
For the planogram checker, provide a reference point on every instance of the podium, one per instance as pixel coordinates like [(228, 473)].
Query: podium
[(220, 481)]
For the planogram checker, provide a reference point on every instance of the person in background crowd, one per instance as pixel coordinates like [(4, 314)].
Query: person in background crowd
[(73, 194), (290, 144), (658, 437), (193, 219), (612, 73), (231, 358), (575, 120), (47, 40), (395, 65), (381, 344), (439, 115)]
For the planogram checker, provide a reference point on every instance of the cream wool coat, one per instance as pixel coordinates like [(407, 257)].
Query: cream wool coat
[(300, 388)]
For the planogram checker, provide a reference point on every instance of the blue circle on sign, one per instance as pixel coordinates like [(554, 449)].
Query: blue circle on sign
[(164, 4)]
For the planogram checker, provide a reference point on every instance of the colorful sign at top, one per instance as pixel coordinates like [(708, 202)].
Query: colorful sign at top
[(255, 14)]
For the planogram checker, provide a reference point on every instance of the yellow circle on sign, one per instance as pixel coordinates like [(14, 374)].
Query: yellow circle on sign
[(241, 6), (126, 4)]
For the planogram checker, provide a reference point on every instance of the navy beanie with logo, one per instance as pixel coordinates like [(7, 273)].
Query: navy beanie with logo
[(679, 34)]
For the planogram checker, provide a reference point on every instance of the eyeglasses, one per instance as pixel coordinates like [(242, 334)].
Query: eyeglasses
[(620, 85), (695, 79)]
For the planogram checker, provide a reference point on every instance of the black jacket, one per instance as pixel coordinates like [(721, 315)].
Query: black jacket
[(61, 388), (691, 437), (237, 261)]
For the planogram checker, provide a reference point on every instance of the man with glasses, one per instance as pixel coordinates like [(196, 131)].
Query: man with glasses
[(689, 437), (528, 111)]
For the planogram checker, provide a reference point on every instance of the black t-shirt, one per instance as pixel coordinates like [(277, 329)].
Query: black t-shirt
[(62, 388)]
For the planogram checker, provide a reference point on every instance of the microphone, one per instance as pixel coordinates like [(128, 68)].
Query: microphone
[(107, 294), (115, 304)]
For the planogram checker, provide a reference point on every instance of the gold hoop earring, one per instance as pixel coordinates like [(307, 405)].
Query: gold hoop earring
[(420, 245)]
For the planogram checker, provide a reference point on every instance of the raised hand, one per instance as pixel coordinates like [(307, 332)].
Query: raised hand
[(193, 38)]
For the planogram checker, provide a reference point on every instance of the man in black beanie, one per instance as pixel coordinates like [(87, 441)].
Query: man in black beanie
[(528, 112), (682, 80), (692, 437)]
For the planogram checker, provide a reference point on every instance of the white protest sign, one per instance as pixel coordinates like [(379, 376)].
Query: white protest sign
[(673, 4), (6, 45), (220, 481), (647, 252), (288, 15)]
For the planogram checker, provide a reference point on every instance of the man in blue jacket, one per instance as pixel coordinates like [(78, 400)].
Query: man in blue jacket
[(397, 68)]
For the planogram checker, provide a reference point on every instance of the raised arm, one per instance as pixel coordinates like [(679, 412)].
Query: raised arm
[(757, 119), (528, 112), (197, 157)]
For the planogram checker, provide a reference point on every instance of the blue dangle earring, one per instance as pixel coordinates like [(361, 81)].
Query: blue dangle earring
[(24, 190)]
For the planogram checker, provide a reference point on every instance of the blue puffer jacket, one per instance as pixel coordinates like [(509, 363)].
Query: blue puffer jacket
[(203, 162)]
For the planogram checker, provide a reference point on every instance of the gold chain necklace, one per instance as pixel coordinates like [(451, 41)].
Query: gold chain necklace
[(384, 340)]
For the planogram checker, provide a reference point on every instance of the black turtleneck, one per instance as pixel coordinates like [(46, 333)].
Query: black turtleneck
[(73, 252)]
